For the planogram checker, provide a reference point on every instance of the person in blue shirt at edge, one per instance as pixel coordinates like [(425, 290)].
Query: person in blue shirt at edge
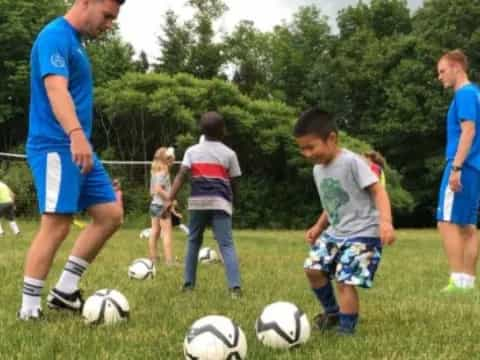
[(459, 193), (68, 176)]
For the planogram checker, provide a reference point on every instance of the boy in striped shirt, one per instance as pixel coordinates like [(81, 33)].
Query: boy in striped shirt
[(213, 167)]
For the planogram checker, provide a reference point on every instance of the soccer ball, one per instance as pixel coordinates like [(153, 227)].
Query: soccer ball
[(105, 306), (141, 269), (207, 255), (282, 325), (145, 233), (215, 337)]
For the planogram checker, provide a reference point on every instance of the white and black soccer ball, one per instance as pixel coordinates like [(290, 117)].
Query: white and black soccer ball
[(141, 269), (207, 255), (215, 337), (145, 233), (282, 325), (106, 306)]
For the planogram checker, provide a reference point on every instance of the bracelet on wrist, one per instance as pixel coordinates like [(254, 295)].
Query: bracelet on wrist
[(73, 130), (456, 168)]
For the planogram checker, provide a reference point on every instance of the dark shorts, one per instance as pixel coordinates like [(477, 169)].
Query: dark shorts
[(7, 211)]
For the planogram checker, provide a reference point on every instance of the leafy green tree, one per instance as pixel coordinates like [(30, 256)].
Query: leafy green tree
[(110, 56), (258, 130), (20, 22), (175, 44)]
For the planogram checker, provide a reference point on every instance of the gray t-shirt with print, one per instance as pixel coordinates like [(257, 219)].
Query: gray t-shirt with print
[(342, 185), (159, 179)]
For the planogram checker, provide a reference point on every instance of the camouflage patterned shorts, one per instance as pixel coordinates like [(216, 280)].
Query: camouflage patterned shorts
[(351, 261)]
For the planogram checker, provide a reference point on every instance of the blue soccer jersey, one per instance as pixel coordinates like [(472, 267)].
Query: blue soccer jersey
[(58, 50), (61, 187), (465, 106)]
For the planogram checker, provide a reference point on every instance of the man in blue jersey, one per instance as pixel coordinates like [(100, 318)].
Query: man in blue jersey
[(67, 174), (460, 188)]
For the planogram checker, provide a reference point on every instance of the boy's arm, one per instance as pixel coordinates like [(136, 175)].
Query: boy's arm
[(177, 184), (382, 202), (314, 232), (234, 183)]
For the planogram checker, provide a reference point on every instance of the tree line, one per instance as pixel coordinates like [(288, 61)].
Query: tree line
[(376, 73)]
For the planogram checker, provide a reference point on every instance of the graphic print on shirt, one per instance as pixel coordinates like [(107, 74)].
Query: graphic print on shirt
[(333, 198)]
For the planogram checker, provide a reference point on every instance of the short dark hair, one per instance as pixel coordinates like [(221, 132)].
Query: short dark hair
[(212, 125), (315, 121)]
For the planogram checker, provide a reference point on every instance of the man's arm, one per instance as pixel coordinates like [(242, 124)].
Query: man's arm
[(464, 145), (64, 110)]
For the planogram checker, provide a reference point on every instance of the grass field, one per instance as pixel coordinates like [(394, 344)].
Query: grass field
[(402, 317)]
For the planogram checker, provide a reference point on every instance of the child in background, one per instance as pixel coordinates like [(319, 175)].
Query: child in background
[(160, 216), (7, 208), (377, 164), (346, 242), (213, 167)]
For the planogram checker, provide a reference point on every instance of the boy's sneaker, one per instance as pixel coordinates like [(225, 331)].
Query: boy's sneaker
[(326, 321), (61, 301), (187, 288), (345, 332), (452, 288), (236, 292), (30, 315)]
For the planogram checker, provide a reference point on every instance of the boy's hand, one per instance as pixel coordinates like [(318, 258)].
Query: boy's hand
[(387, 233), (312, 234), (167, 205)]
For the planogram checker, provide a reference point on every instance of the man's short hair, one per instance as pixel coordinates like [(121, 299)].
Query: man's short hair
[(212, 125), (456, 56), (315, 121)]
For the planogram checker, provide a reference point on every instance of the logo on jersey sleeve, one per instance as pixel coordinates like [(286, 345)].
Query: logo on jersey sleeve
[(57, 60)]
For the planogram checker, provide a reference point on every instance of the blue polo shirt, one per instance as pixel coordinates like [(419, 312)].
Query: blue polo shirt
[(58, 50), (465, 106)]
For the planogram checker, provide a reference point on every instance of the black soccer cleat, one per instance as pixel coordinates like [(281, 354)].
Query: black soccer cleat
[(325, 322), (61, 301)]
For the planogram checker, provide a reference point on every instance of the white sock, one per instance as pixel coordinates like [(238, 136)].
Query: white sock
[(14, 227), (184, 228), (31, 299), (72, 272), (1, 230), (457, 279), (468, 281)]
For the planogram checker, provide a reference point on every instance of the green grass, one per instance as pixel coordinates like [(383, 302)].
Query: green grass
[(402, 317)]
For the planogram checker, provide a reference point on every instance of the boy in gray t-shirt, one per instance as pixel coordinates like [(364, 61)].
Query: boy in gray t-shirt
[(346, 241)]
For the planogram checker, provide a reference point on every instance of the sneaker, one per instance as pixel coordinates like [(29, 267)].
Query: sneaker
[(59, 300), (30, 315), (452, 288), (187, 287), (345, 332), (325, 322), (236, 292)]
